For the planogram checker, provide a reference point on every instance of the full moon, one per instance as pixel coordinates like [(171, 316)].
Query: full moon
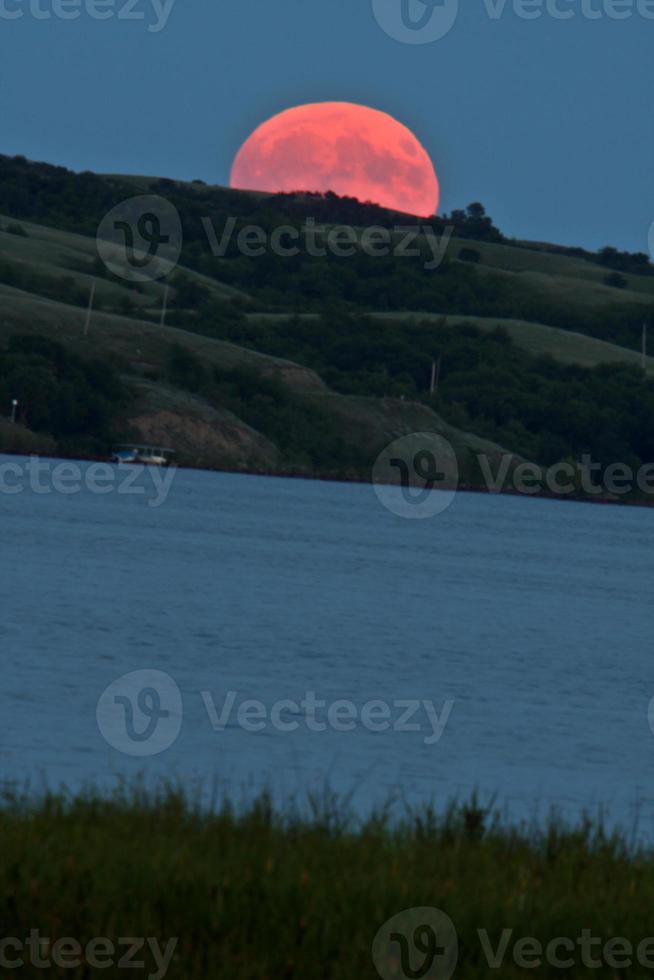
[(349, 149)]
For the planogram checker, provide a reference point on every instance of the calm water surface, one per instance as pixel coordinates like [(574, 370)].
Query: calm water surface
[(532, 616)]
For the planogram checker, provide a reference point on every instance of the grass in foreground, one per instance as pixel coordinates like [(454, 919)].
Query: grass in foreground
[(252, 894)]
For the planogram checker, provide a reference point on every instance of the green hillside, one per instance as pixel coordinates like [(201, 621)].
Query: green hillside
[(566, 346), (312, 364), (211, 435)]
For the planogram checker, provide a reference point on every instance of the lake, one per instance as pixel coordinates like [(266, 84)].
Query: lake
[(503, 645)]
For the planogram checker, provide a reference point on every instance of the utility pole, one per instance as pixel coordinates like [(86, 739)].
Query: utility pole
[(645, 346), (14, 406), (90, 309), (164, 306), (435, 375)]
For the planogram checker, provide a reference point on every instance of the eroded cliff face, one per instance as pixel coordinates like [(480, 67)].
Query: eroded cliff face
[(200, 435), (204, 442)]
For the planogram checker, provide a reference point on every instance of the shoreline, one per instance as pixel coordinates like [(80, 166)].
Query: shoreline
[(509, 491)]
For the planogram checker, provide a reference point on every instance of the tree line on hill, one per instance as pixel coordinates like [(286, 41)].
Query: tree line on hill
[(535, 406), (362, 283), (76, 400), (58, 197)]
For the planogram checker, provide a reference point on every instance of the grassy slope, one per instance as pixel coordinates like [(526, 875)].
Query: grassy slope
[(137, 341), (568, 281), (54, 253), (365, 421), (532, 265), (62, 253), (545, 272), (565, 346)]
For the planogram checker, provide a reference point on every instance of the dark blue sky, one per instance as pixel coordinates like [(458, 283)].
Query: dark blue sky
[(548, 122)]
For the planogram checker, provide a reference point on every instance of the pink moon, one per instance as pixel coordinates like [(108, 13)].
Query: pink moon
[(349, 149)]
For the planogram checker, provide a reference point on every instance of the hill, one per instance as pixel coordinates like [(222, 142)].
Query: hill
[(312, 363)]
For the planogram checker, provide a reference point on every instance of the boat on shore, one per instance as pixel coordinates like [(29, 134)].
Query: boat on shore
[(141, 455)]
